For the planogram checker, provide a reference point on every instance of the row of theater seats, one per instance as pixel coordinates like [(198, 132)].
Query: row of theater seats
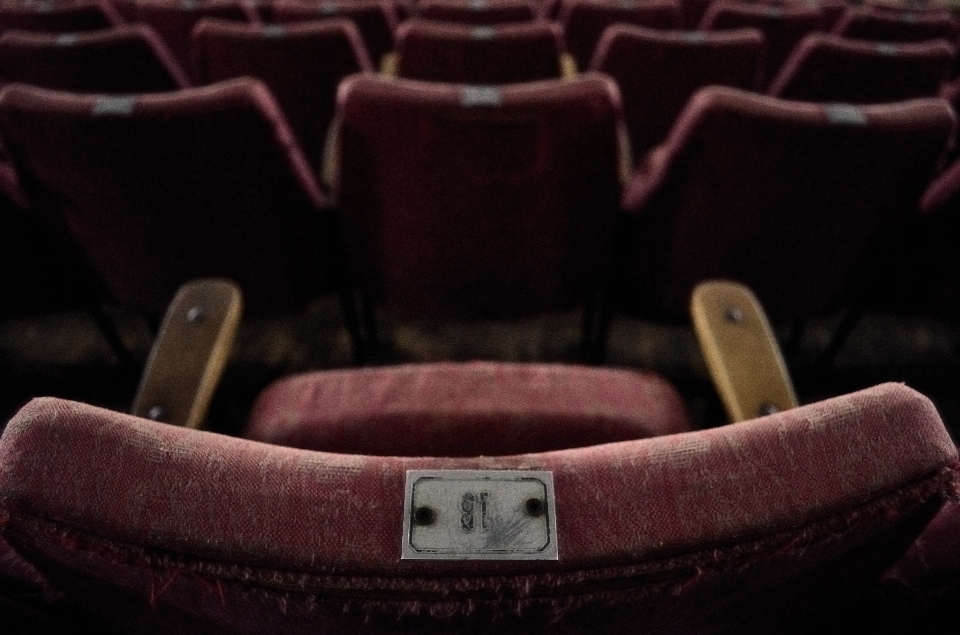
[(582, 21), (656, 71), (477, 202), (379, 500)]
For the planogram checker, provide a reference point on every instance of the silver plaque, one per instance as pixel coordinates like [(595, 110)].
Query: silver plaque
[(479, 515)]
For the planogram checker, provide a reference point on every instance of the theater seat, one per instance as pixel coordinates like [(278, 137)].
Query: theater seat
[(454, 53), (773, 525), (301, 63), (584, 21), (657, 72), (375, 19), (782, 26), (67, 16), (164, 188), (884, 25), (722, 198), (125, 59), (829, 68), (475, 202), (476, 12)]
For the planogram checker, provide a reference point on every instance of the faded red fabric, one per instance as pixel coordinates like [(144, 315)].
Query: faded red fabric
[(882, 25), (584, 21), (173, 21), (756, 527), (480, 408), (476, 12), (830, 68), (465, 202), (782, 25), (454, 53), (723, 198), (164, 188), (124, 59), (302, 64), (376, 20), (657, 72), (63, 16)]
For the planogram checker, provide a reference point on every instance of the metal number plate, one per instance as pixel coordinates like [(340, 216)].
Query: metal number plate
[(479, 515)]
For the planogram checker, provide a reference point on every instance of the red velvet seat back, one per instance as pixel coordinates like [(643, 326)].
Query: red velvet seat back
[(477, 12), (454, 53), (783, 26), (830, 68), (658, 71), (759, 527), (790, 198), (56, 16), (886, 26), (302, 64), (162, 189), (473, 202), (376, 20), (125, 59), (173, 21), (585, 20)]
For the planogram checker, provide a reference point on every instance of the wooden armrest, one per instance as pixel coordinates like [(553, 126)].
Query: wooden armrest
[(190, 353), (389, 64), (568, 66), (740, 350)]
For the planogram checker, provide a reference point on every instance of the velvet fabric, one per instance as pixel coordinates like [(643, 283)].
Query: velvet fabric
[(830, 68), (125, 59), (173, 21), (376, 20), (302, 64), (478, 408), (783, 26), (723, 198), (477, 202), (482, 12), (867, 23), (454, 53), (68, 16), (161, 189), (584, 21), (765, 526), (657, 72)]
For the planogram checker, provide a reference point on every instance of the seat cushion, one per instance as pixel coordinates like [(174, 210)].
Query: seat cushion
[(477, 408)]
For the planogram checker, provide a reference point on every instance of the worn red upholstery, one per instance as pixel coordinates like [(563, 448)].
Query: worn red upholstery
[(173, 21), (782, 25), (479, 408), (477, 12), (125, 59), (658, 71), (439, 52), (302, 64), (766, 526), (790, 198), (161, 189), (479, 202), (60, 16), (835, 69), (585, 20), (867, 23), (376, 20)]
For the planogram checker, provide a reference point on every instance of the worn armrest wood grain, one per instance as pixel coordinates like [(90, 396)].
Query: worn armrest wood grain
[(190, 353), (568, 66), (389, 64), (740, 350)]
